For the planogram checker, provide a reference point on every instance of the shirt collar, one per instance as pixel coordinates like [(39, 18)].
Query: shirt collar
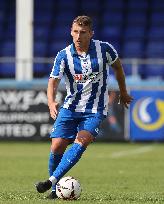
[(73, 49)]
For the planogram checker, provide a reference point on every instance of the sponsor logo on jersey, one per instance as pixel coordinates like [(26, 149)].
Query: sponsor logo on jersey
[(82, 78)]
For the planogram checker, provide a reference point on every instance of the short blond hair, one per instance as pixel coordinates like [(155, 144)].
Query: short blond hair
[(83, 21)]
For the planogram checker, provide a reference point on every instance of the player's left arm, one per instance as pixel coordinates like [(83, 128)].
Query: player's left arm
[(125, 98)]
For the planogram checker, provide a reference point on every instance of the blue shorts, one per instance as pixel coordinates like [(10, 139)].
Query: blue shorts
[(69, 123)]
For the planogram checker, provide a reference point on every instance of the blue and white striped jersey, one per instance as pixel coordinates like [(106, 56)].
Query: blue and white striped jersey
[(86, 76)]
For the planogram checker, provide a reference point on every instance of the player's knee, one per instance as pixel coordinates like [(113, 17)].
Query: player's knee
[(84, 138), (59, 145)]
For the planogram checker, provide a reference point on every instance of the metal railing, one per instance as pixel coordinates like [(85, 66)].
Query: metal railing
[(134, 62)]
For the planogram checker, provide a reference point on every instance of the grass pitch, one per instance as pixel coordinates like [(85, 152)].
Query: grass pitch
[(108, 173)]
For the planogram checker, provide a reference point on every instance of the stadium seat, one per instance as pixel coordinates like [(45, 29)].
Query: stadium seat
[(3, 5), (10, 33), (62, 32), (8, 48), (112, 18), (44, 5), (42, 69), (2, 16), (157, 18), (133, 49), (155, 49), (41, 33), (42, 18), (136, 18), (111, 33), (70, 5), (157, 5), (156, 33), (134, 32), (40, 48), (127, 69), (39, 70), (111, 5), (7, 70), (89, 6), (154, 71), (138, 5), (64, 17), (1, 35), (56, 46)]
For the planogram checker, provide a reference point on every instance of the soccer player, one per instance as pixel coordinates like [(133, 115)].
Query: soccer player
[(85, 66)]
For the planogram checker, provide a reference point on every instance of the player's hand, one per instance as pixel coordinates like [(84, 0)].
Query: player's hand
[(53, 107), (125, 99)]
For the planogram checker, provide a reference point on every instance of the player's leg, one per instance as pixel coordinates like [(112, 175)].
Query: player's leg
[(72, 155), (69, 159), (88, 130), (63, 132), (58, 147)]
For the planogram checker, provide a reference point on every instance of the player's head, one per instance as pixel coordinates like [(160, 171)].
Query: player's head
[(83, 21), (81, 30)]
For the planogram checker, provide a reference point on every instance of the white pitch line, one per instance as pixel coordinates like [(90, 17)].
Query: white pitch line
[(131, 152)]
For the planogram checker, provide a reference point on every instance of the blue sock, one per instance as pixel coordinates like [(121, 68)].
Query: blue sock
[(69, 159), (54, 160)]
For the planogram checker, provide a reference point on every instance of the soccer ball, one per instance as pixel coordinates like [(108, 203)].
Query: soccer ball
[(68, 188)]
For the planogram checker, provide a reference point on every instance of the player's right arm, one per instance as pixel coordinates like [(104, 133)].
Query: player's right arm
[(55, 76), (51, 95)]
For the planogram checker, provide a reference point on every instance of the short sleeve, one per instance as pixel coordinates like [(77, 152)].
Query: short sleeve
[(111, 54), (58, 67)]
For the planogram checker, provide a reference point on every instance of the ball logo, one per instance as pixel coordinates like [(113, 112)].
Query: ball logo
[(148, 113)]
